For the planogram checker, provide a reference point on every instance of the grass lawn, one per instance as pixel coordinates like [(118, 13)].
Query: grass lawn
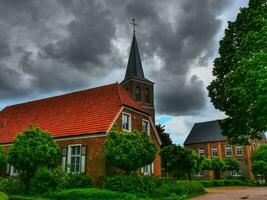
[(93, 194)]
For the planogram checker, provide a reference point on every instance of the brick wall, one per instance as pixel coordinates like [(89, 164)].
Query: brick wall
[(244, 160), (95, 163)]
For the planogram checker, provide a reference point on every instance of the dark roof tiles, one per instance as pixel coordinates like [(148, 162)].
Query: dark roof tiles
[(205, 132)]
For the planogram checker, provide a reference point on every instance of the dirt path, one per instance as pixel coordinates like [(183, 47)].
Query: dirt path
[(234, 193)]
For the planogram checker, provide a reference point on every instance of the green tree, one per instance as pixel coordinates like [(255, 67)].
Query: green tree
[(32, 149), (2, 156), (217, 165), (164, 136), (231, 164), (180, 161), (129, 151), (240, 85), (259, 161)]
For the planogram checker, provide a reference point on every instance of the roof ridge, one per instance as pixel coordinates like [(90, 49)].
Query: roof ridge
[(119, 93), (57, 96)]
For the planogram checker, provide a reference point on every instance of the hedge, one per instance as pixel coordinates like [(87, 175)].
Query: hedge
[(132, 184), (91, 194), (226, 182)]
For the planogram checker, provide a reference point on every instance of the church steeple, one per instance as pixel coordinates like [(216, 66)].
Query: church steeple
[(135, 82), (134, 66)]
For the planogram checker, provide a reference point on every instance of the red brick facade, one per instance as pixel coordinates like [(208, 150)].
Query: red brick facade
[(244, 159), (95, 162)]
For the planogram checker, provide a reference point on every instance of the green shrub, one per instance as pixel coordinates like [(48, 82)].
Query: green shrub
[(77, 181), (226, 182), (206, 183), (45, 181), (11, 185), (134, 184), (180, 188), (91, 194), (3, 196)]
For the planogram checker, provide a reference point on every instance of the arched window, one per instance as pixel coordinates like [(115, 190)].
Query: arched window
[(147, 95), (138, 93)]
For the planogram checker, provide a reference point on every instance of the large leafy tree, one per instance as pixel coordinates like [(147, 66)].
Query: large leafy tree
[(217, 165), (231, 164), (259, 161), (240, 85), (129, 150), (180, 161), (32, 149), (164, 136)]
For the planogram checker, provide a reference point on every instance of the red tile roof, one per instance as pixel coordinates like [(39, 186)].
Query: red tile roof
[(83, 112)]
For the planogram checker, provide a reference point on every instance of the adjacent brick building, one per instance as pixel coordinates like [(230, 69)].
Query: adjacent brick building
[(206, 139), (79, 121)]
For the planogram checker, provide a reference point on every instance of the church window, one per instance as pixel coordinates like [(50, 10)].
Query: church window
[(146, 126), (239, 150), (138, 93), (214, 151), (126, 122), (76, 158), (147, 95)]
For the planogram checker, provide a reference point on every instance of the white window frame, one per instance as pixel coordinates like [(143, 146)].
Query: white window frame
[(70, 156), (13, 171), (148, 169), (130, 121), (199, 174), (227, 149), (148, 126), (239, 148), (236, 173), (201, 151), (213, 149)]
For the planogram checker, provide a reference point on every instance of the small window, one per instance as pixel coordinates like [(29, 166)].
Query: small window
[(126, 122), (146, 126), (236, 173), (148, 169), (147, 95), (138, 93), (200, 174), (201, 151), (228, 150), (239, 150), (13, 171), (214, 151)]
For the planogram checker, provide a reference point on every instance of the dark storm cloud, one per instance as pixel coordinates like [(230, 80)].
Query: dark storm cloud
[(52, 45)]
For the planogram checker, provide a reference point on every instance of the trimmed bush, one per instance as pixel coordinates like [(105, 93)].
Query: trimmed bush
[(3, 196), (45, 181), (11, 185), (77, 181), (226, 182), (180, 188), (134, 184), (91, 194)]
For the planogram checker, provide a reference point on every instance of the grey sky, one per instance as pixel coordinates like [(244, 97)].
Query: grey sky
[(55, 46)]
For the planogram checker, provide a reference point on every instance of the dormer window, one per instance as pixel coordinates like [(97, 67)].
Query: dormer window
[(138, 93)]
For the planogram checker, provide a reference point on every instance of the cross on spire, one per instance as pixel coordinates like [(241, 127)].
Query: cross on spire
[(134, 24)]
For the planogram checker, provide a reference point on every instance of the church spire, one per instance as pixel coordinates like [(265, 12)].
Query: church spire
[(134, 66)]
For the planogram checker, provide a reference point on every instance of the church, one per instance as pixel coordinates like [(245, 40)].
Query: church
[(80, 121)]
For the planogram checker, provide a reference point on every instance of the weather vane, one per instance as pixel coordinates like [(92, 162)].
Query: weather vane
[(134, 24)]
